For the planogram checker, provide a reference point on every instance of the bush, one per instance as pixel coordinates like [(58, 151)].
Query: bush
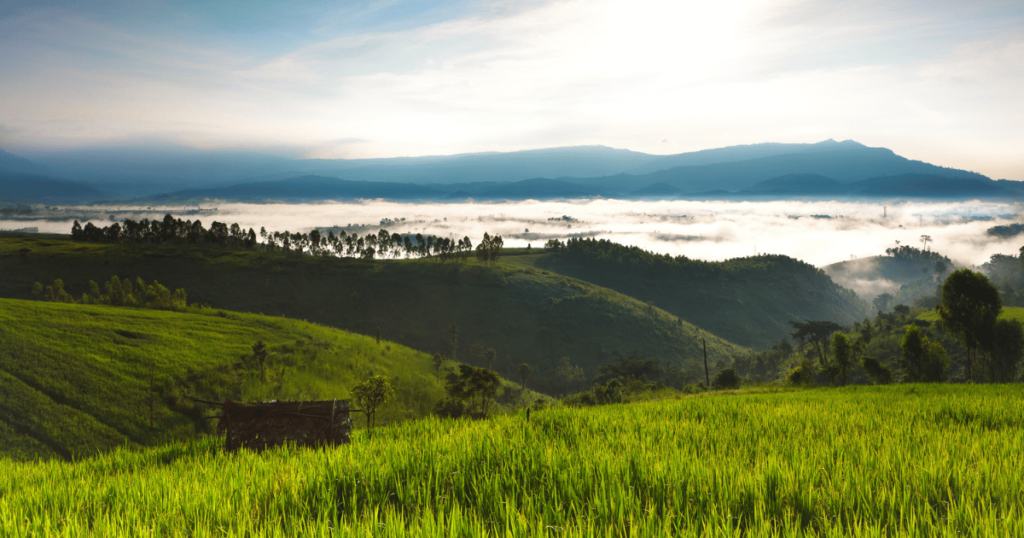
[(450, 408), (726, 379), (877, 371)]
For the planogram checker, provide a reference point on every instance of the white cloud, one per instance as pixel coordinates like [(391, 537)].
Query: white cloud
[(614, 72)]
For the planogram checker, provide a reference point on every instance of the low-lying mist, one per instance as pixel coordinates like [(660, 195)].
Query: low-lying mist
[(819, 233)]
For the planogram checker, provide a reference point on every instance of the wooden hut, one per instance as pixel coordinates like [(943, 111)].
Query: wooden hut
[(262, 425)]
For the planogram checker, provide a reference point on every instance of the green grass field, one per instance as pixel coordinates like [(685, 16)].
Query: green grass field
[(75, 379), (909, 460)]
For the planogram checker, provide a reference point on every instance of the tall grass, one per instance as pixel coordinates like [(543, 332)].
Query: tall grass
[(899, 460)]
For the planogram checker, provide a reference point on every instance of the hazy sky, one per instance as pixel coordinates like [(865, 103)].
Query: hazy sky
[(940, 81)]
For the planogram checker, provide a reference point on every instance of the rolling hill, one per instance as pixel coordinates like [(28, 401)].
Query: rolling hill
[(528, 315), (75, 379), (749, 301)]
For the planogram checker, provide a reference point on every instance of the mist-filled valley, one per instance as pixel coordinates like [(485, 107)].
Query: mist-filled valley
[(817, 232)]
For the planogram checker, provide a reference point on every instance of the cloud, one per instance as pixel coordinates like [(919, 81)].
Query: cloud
[(698, 230), (935, 84)]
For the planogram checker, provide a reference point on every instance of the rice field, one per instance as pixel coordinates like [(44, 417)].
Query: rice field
[(905, 460)]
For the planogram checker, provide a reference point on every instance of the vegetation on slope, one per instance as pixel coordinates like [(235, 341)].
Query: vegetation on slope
[(919, 460), (881, 339), (526, 315), (749, 301), (76, 379)]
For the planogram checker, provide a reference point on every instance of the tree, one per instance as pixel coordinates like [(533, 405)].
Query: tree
[(260, 355), (524, 373), (817, 333), (877, 371), (969, 308), (923, 360), (438, 360), (882, 302), (477, 386), (843, 351), (726, 379), (571, 376), (1006, 351), (371, 394)]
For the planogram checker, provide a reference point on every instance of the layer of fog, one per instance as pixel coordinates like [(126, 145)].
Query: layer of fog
[(819, 233)]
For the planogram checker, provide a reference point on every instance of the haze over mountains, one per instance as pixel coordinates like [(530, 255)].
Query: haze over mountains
[(763, 171)]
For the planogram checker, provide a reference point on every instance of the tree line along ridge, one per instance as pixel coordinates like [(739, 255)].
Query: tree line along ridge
[(382, 245)]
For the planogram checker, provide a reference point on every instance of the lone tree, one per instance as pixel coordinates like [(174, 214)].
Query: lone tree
[(524, 373), (260, 355), (817, 333), (843, 352), (970, 306), (371, 394)]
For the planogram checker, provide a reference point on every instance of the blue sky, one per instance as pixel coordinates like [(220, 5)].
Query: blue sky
[(939, 81)]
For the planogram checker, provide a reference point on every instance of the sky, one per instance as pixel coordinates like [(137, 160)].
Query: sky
[(939, 81)]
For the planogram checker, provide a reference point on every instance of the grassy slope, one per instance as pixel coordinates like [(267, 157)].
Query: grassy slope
[(906, 460), (751, 311), (74, 379), (1008, 312), (525, 314)]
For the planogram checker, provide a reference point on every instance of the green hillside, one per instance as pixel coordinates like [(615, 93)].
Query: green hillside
[(527, 315), (75, 379), (749, 301)]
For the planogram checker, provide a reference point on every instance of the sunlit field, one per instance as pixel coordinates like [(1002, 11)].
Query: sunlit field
[(908, 460)]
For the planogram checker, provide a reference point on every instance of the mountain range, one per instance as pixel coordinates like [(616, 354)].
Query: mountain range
[(844, 169)]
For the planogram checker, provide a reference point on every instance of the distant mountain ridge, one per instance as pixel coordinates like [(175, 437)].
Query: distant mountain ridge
[(829, 168)]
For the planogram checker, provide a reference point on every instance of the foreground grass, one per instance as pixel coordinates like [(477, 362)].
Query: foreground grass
[(899, 460)]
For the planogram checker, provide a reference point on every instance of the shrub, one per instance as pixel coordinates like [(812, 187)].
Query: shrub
[(726, 379)]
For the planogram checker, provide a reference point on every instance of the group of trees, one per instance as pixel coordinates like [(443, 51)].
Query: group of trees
[(909, 253), (166, 231), (117, 292), (471, 392), (968, 342), (382, 244)]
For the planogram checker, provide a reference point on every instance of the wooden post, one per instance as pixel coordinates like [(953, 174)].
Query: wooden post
[(151, 393), (707, 376)]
